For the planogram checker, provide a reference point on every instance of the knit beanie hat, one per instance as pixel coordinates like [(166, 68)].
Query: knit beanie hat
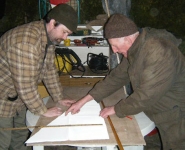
[(118, 26), (65, 15)]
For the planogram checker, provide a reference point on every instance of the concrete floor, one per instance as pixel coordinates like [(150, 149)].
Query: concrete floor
[(55, 148), (68, 148), (60, 148)]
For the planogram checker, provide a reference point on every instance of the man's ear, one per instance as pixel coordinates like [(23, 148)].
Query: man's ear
[(52, 23)]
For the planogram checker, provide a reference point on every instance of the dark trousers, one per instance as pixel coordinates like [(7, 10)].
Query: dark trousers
[(13, 139)]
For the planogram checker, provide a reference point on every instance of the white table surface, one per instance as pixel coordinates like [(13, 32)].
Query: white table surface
[(145, 125)]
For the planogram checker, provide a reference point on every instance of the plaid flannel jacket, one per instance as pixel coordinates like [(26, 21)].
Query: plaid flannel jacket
[(24, 63)]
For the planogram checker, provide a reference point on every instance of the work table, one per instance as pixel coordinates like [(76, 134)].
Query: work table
[(127, 129)]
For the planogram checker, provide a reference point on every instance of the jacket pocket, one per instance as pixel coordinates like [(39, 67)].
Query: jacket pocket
[(166, 116)]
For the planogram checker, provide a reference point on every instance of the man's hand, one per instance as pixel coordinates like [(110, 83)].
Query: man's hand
[(52, 112), (66, 102), (75, 108), (107, 112)]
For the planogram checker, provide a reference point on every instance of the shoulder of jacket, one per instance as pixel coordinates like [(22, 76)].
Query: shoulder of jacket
[(29, 33), (161, 34)]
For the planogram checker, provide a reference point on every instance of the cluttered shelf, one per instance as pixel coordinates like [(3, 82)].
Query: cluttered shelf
[(91, 43)]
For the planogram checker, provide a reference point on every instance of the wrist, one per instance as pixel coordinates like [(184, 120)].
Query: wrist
[(87, 98)]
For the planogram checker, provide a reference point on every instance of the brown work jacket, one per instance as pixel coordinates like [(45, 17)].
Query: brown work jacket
[(156, 69)]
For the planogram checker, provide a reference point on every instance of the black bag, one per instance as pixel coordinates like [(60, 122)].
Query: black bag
[(97, 63)]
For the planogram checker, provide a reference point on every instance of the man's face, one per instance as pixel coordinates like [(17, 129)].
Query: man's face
[(58, 33), (120, 45)]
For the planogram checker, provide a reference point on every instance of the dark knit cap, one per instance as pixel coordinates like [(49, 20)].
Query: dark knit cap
[(66, 15), (118, 26)]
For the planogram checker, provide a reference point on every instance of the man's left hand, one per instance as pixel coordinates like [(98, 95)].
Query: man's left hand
[(107, 112)]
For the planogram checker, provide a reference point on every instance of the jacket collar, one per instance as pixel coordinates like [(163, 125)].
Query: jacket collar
[(134, 49), (48, 40)]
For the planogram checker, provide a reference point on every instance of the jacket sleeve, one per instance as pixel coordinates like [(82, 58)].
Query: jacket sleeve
[(23, 62), (51, 78), (117, 78), (156, 78)]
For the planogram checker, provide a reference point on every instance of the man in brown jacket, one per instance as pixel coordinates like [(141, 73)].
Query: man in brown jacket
[(156, 69), (27, 55)]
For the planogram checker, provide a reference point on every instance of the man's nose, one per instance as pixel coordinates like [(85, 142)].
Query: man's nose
[(65, 36)]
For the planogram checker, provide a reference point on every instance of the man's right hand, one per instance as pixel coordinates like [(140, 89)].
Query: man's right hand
[(75, 107), (52, 112)]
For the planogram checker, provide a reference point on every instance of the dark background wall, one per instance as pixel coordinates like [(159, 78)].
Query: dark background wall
[(166, 14), (2, 8)]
